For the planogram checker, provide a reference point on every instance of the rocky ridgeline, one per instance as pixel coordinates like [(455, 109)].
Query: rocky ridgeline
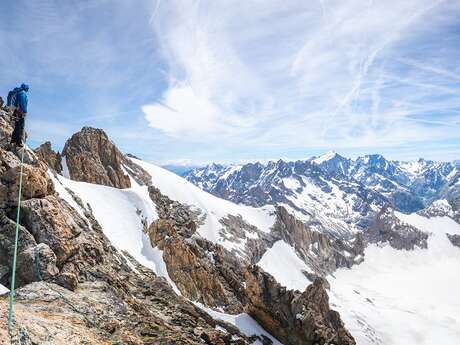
[(387, 228), (210, 274), (74, 287)]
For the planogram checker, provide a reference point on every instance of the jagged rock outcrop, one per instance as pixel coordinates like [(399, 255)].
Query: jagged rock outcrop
[(49, 156), (202, 271), (91, 157), (299, 318), (323, 254), (387, 228)]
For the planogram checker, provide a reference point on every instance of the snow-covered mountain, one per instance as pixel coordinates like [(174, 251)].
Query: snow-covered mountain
[(331, 192)]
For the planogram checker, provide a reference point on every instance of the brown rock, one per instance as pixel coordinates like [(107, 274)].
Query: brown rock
[(54, 223), (50, 157), (387, 228), (92, 157), (294, 318), (36, 182)]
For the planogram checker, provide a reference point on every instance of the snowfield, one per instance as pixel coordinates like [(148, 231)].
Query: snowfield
[(120, 212), (394, 297)]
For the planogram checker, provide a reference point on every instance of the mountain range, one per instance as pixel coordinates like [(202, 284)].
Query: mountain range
[(330, 192)]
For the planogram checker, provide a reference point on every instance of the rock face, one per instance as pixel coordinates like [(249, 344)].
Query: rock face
[(210, 274), (202, 271), (387, 228), (323, 254), (300, 318), (51, 158), (91, 157)]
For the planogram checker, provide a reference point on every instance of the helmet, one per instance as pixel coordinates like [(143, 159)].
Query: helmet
[(25, 87)]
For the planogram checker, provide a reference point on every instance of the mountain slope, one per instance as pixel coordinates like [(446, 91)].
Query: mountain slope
[(394, 296)]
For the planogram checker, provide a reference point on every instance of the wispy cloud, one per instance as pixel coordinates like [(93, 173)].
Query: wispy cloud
[(305, 74)]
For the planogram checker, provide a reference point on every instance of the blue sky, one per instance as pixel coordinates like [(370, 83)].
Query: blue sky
[(199, 81)]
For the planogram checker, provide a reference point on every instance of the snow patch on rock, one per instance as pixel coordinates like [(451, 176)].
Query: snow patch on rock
[(282, 262)]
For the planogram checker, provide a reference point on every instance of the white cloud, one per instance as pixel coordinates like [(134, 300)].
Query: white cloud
[(304, 73)]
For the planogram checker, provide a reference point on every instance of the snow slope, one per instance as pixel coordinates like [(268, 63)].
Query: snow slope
[(213, 207), (120, 213), (394, 297)]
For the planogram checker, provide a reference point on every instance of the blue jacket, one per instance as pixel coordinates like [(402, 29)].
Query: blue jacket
[(10, 100), (21, 101)]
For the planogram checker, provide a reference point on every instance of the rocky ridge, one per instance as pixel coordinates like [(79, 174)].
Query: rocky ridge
[(74, 287), (387, 228), (208, 273)]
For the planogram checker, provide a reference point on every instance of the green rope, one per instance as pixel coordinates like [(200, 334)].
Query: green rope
[(16, 240)]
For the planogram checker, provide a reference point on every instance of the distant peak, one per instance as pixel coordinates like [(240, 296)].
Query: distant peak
[(325, 157)]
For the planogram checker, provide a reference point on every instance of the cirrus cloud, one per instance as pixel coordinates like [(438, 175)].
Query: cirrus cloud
[(296, 74)]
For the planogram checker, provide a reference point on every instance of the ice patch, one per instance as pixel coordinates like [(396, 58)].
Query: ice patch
[(65, 168)]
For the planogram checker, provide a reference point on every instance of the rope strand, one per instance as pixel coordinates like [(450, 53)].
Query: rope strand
[(16, 240)]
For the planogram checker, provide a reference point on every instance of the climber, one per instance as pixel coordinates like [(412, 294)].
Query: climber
[(10, 99), (20, 113)]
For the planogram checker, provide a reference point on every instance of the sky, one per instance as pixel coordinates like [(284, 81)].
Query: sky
[(190, 82)]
